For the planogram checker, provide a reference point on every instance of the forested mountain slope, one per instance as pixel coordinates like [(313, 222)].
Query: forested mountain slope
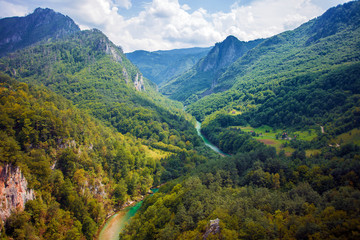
[(161, 66), (41, 25), (108, 143), (95, 75), (200, 80), (80, 169), (304, 58)]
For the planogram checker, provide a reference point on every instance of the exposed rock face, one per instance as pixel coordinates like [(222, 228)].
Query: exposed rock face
[(14, 192), (214, 228), (106, 46), (139, 82)]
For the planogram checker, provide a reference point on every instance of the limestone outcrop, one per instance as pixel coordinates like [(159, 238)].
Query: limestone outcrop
[(14, 192), (213, 229)]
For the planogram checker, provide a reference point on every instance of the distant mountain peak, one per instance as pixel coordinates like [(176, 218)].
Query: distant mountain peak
[(43, 24), (231, 38), (43, 10), (224, 54)]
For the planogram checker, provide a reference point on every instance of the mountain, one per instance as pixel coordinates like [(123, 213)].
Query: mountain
[(326, 44), (225, 53), (201, 78), (88, 132), (92, 72), (161, 66), (42, 24)]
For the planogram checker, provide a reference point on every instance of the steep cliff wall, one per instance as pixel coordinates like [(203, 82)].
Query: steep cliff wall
[(139, 82), (14, 192)]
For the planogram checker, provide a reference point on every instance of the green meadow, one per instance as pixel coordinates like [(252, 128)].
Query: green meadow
[(274, 137)]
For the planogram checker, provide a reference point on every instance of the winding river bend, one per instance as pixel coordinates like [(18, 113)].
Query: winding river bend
[(116, 223), (207, 142)]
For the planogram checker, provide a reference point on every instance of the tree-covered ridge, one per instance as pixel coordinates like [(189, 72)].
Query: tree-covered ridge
[(95, 75), (79, 168), (328, 101), (294, 57), (41, 25)]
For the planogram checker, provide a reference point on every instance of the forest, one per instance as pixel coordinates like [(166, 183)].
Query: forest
[(92, 135), (259, 195), (84, 138)]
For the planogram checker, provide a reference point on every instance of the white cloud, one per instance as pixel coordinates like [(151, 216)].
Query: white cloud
[(123, 3), (264, 18), (9, 9), (165, 24), (186, 7)]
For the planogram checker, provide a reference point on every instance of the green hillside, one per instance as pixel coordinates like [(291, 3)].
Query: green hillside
[(95, 75), (108, 143), (306, 79), (79, 168), (303, 58)]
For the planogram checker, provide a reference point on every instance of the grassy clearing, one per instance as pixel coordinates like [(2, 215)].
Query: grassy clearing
[(155, 153), (273, 138), (352, 136)]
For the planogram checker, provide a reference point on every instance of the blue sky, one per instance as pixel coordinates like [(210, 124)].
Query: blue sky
[(168, 24)]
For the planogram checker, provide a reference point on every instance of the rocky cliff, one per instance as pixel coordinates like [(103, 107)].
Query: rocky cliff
[(139, 82), (14, 192)]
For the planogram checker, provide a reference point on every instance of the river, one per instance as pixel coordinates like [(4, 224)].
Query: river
[(114, 225), (207, 142)]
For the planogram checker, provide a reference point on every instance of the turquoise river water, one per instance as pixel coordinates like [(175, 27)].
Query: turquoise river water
[(117, 222)]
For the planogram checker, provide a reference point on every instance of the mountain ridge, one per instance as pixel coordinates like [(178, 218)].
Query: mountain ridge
[(42, 24), (162, 65), (202, 77)]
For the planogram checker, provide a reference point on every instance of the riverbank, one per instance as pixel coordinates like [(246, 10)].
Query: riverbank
[(207, 142), (114, 224)]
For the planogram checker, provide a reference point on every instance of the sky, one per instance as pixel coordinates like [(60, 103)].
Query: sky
[(169, 24)]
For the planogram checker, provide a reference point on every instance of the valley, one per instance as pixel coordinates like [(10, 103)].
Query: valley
[(247, 139)]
